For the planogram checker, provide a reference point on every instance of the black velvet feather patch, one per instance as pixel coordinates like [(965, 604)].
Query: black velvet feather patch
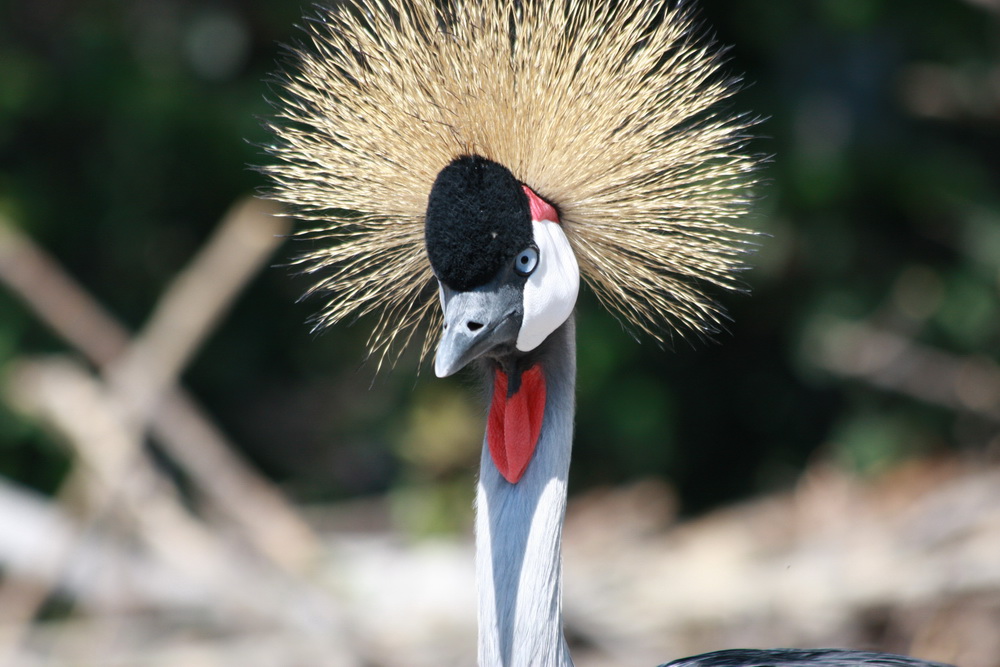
[(478, 219)]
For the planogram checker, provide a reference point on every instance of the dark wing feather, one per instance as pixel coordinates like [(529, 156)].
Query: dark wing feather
[(800, 658)]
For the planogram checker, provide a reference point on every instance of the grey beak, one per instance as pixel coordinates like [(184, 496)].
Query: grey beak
[(476, 322)]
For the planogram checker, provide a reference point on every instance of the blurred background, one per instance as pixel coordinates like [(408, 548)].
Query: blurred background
[(826, 471)]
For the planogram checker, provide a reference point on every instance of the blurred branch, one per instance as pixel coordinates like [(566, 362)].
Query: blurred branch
[(103, 574), (105, 422), (233, 584), (61, 393), (193, 304), (894, 363), (57, 299), (247, 236)]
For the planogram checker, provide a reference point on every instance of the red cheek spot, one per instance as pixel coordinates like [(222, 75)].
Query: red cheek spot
[(540, 209)]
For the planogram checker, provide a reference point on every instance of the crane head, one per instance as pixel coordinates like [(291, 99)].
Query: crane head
[(507, 275)]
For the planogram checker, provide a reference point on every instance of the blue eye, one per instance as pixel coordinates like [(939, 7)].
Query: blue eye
[(526, 261)]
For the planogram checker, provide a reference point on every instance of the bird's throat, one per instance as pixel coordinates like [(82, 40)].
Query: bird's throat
[(515, 420)]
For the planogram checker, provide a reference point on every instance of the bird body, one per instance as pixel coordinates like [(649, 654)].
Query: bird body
[(468, 166), (799, 658)]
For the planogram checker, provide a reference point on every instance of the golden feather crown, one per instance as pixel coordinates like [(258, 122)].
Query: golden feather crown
[(608, 110)]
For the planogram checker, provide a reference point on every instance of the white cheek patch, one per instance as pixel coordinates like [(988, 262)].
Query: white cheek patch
[(550, 292)]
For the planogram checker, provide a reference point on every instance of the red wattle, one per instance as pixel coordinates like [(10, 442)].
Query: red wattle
[(515, 422), (540, 209)]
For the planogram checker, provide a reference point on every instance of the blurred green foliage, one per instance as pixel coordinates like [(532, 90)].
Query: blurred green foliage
[(127, 128)]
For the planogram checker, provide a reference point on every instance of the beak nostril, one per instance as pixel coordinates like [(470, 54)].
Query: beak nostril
[(474, 326)]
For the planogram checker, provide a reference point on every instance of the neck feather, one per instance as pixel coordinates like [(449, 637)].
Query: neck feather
[(519, 530)]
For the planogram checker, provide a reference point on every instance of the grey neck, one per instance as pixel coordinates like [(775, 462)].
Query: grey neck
[(519, 530)]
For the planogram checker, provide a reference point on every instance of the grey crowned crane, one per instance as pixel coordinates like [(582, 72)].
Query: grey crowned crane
[(464, 165)]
